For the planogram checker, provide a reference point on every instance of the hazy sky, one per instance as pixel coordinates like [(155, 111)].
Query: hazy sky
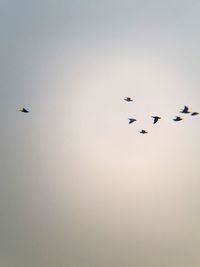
[(79, 187)]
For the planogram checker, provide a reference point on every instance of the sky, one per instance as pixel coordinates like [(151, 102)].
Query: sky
[(79, 186)]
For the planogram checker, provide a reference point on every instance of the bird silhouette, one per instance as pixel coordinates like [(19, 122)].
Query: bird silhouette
[(194, 113), (128, 99), (131, 120), (177, 118), (156, 119), (185, 110), (143, 132), (24, 110)]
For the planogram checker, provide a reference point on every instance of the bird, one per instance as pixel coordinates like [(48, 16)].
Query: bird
[(128, 99), (177, 119), (185, 110), (194, 113), (131, 120), (156, 118), (143, 132), (24, 110)]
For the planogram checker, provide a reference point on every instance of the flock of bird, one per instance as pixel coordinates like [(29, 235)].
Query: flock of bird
[(185, 110)]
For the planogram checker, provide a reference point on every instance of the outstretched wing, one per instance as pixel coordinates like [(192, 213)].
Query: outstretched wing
[(155, 119), (185, 109)]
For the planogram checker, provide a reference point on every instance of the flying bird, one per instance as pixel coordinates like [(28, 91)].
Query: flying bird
[(185, 110), (194, 113), (128, 99), (156, 118), (143, 132), (131, 120), (177, 119), (24, 110)]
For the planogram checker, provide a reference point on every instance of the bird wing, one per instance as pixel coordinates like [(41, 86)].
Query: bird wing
[(186, 109), (155, 119)]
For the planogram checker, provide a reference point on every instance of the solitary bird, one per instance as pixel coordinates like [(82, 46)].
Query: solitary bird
[(131, 120), (156, 118), (143, 132), (177, 119), (194, 113), (24, 110), (185, 110), (128, 99)]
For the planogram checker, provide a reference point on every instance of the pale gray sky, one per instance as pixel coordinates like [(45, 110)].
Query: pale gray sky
[(79, 186)]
